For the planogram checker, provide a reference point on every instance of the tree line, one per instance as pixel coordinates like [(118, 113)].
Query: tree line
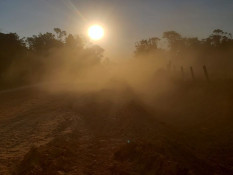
[(29, 60), (216, 51), (218, 40), (26, 60)]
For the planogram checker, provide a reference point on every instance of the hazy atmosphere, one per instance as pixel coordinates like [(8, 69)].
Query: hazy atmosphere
[(116, 87)]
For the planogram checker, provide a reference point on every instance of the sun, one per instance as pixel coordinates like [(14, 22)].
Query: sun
[(96, 32)]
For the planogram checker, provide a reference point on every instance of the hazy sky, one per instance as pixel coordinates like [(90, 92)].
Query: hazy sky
[(125, 21)]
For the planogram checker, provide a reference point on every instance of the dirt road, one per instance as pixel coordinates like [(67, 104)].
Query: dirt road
[(27, 118), (94, 133)]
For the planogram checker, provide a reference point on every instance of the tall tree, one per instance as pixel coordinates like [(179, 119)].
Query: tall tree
[(11, 47), (220, 39), (74, 42), (175, 40), (42, 43), (147, 46), (60, 34)]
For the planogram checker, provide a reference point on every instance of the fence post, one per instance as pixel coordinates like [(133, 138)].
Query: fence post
[(206, 73), (192, 73)]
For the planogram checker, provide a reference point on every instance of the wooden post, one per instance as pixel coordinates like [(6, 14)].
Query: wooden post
[(206, 73), (192, 73)]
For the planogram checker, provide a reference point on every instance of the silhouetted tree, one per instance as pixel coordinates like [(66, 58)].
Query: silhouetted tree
[(42, 43), (147, 46), (60, 34), (219, 39), (74, 42), (11, 47), (175, 41)]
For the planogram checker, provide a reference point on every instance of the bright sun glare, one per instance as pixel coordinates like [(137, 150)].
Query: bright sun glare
[(96, 32)]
